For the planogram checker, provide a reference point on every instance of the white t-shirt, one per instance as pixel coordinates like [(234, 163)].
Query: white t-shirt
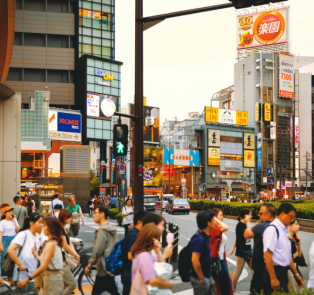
[(8, 228), (127, 219), (26, 256), (223, 243)]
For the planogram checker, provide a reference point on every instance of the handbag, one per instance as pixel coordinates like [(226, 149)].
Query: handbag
[(71, 261), (138, 286), (163, 271), (216, 263), (248, 254), (39, 282), (7, 263)]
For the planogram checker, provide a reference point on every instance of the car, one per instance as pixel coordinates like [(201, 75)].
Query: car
[(178, 205), (165, 199), (150, 201)]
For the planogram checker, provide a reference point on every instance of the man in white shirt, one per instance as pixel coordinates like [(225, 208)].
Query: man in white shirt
[(54, 203), (277, 251)]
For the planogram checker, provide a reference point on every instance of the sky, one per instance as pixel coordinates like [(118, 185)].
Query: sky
[(187, 59)]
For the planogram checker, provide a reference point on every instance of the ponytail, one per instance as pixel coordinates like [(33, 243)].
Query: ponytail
[(243, 212), (238, 217)]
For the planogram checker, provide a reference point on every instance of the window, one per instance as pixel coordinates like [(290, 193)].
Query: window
[(71, 42), (18, 38), (34, 75), (18, 4), (57, 6), (58, 41), (233, 139), (34, 40), (15, 74), (35, 5), (71, 77), (57, 76), (94, 19), (239, 139)]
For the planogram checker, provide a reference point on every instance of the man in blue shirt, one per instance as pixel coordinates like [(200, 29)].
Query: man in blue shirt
[(54, 203), (200, 278), (128, 243), (114, 202)]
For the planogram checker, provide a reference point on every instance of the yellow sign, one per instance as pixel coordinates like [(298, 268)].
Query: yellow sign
[(211, 114), (241, 118), (267, 109), (257, 116), (249, 158), (249, 141), (213, 156)]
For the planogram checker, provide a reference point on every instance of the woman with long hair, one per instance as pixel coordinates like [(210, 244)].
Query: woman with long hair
[(50, 260), (23, 243), (65, 217), (160, 222), (297, 254), (243, 247), (143, 262), (9, 227), (218, 241)]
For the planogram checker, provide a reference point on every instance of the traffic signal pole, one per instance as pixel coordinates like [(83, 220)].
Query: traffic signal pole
[(142, 24)]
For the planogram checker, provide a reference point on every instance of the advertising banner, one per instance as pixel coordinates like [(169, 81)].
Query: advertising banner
[(213, 156), (296, 132), (213, 137), (259, 151), (296, 165), (249, 158), (164, 169), (249, 141), (273, 130), (257, 112), (262, 28), (65, 126), (181, 157), (152, 175), (216, 115), (100, 106), (286, 75)]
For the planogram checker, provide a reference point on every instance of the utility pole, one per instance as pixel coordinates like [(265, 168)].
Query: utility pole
[(169, 168)]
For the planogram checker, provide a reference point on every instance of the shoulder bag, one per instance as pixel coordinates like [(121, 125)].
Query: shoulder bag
[(7, 263), (216, 263), (248, 254)]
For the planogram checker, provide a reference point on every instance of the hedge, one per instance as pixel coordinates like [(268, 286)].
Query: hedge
[(304, 210), (114, 214)]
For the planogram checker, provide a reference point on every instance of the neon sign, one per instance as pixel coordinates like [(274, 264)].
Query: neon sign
[(104, 74)]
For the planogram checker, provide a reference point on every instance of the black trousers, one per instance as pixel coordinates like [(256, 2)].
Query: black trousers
[(257, 282), (282, 276), (105, 283)]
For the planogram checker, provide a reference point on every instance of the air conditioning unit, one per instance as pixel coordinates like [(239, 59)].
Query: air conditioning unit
[(150, 121)]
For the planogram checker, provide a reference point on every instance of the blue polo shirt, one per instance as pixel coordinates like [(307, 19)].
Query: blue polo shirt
[(114, 201), (201, 246)]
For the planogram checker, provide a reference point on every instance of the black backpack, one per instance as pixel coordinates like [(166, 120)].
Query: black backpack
[(258, 253), (184, 263)]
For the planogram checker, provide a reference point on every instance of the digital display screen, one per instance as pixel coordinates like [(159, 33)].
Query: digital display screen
[(100, 106)]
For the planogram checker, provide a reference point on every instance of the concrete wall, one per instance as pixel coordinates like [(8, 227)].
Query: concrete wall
[(10, 148)]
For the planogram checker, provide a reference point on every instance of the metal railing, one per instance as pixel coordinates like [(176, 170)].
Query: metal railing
[(172, 228)]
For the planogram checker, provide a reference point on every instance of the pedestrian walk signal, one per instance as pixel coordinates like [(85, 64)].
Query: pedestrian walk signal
[(120, 140)]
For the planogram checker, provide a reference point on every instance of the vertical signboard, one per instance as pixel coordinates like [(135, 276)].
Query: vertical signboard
[(213, 156), (211, 114), (259, 151), (242, 118), (213, 137), (249, 141), (296, 165), (249, 159), (291, 130), (257, 112), (273, 130), (286, 75), (267, 112), (296, 132)]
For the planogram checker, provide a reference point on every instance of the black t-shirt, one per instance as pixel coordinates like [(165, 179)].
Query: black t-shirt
[(68, 242), (242, 244), (128, 243)]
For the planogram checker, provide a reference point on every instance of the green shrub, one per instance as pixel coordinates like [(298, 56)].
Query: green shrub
[(303, 210), (291, 201), (120, 218), (113, 213)]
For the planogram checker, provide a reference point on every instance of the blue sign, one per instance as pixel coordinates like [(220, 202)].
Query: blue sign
[(250, 180), (259, 158), (181, 157), (269, 170), (201, 187), (183, 184), (69, 122), (122, 167), (270, 179)]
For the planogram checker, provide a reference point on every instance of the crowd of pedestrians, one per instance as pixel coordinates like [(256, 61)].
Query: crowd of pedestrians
[(274, 260)]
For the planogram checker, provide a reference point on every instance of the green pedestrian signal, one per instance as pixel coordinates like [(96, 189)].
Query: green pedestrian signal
[(120, 140)]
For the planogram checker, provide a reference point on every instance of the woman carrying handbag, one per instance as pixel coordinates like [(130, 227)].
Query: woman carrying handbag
[(244, 251), (143, 271), (218, 241)]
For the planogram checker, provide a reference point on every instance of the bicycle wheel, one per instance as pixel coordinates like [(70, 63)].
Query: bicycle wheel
[(84, 280)]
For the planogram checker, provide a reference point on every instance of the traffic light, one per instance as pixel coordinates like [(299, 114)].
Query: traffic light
[(120, 140), (248, 3)]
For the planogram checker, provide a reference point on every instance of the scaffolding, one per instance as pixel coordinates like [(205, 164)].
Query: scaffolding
[(223, 96)]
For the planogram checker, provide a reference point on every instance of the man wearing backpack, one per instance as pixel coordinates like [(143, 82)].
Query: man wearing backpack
[(106, 238), (277, 252), (267, 214), (200, 276), (76, 211), (128, 243)]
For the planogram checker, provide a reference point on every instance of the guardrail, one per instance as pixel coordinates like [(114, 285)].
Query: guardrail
[(172, 228)]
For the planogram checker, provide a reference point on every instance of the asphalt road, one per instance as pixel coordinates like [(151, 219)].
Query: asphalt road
[(187, 226)]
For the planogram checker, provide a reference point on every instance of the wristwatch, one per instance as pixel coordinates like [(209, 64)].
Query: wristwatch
[(297, 274), (29, 278)]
